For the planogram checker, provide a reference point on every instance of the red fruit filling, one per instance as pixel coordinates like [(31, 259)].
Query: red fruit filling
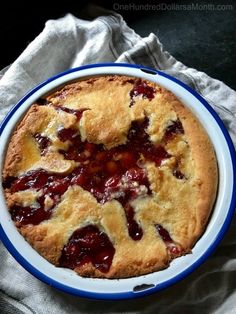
[(77, 112), (52, 187), (29, 215), (88, 244), (35, 179), (172, 247), (174, 128), (43, 143), (135, 231), (178, 174), (107, 174), (141, 88), (164, 234), (66, 134)]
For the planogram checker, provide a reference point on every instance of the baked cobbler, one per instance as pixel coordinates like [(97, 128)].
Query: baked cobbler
[(111, 177)]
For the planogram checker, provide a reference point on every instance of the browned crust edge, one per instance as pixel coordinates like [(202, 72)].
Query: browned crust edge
[(206, 169)]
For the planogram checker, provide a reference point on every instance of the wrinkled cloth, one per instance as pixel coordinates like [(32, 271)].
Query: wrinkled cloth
[(70, 42)]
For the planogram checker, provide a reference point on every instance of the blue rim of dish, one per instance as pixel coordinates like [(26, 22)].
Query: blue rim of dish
[(130, 294)]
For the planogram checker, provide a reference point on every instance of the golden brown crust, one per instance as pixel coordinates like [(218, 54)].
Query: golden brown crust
[(205, 166), (181, 206)]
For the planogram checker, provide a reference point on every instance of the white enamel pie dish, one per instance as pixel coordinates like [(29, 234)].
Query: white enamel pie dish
[(67, 280)]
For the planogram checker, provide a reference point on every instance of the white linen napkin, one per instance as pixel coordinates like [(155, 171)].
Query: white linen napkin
[(69, 42)]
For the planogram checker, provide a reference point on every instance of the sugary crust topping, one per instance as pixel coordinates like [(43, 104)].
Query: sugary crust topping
[(181, 186)]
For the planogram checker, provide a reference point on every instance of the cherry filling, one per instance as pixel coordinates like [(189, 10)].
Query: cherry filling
[(52, 187), (77, 112), (35, 179), (178, 174), (135, 231), (88, 244), (173, 248), (117, 173), (7, 182), (174, 128), (141, 88), (29, 215), (66, 134), (163, 233), (107, 174), (43, 143)]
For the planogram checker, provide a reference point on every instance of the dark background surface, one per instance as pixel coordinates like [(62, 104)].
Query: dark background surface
[(203, 39)]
